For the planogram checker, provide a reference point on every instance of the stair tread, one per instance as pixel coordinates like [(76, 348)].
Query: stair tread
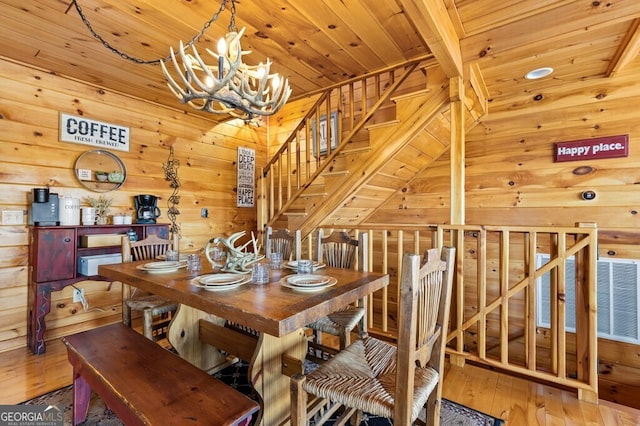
[(383, 124), (313, 194), (295, 213), (355, 150), (410, 95), (336, 173)]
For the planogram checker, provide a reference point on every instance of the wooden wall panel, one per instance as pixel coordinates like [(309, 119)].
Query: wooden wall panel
[(511, 179), (31, 155)]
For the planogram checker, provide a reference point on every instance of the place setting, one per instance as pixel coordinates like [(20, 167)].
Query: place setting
[(304, 265), (308, 282), (163, 267), (182, 257), (220, 282)]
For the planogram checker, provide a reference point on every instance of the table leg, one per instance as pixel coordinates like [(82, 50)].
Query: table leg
[(267, 377), (266, 367), (184, 337)]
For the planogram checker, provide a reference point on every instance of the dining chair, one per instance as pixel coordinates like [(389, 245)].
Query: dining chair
[(378, 377), (156, 311), (288, 243), (339, 250)]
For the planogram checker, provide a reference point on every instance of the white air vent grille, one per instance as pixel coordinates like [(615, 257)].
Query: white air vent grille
[(618, 298)]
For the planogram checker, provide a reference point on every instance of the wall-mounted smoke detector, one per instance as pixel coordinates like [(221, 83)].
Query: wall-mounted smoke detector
[(538, 73)]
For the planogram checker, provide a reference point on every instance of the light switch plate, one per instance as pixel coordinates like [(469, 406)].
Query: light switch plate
[(12, 217)]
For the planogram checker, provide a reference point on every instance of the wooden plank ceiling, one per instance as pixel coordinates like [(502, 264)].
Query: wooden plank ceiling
[(322, 42)]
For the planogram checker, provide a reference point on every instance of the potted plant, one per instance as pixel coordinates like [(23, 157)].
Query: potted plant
[(101, 204), (102, 176), (115, 176)]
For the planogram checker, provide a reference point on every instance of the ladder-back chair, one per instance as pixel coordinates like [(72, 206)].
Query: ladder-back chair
[(288, 243), (156, 311), (383, 379), (339, 250)]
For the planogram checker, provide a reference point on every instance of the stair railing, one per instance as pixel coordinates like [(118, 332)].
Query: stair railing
[(342, 111)]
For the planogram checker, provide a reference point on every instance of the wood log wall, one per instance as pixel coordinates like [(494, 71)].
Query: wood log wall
[(31, 155)]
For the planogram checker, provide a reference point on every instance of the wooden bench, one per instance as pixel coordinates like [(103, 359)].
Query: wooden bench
[(145, 384)]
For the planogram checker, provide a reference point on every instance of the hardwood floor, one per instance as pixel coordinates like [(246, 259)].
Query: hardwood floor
[(518, 401)]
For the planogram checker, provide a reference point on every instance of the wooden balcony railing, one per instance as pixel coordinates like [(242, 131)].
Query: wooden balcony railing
[(494, 316)]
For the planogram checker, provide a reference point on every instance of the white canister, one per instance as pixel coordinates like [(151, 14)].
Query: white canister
[(88, 216), (69, 211), (118, 219)]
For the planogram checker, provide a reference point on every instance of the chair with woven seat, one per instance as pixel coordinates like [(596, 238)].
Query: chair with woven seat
[(383, 379), (156, 311), (283, 241), (339, 250)]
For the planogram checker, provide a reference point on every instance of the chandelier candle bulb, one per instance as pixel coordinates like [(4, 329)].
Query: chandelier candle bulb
[(222, 47)]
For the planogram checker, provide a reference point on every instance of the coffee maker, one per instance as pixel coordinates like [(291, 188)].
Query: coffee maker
[(146, 209), (44, 208)]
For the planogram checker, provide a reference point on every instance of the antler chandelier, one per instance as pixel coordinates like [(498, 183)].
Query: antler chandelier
[(229, 86)]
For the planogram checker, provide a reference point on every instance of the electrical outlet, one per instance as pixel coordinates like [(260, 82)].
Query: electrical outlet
[(12, 217), (78, 295)]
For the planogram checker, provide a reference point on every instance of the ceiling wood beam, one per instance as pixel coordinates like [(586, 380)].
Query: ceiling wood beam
[(628, 50), (433, 24)]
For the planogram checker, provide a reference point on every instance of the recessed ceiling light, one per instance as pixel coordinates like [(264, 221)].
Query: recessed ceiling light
[(538, 73)]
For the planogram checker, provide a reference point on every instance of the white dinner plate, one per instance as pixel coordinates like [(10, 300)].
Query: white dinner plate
[(294, 263), (162, 265), (225, 287), (160, 270), (285, 283), (235, 271), (182, 257), (220, 279), (306, 280)]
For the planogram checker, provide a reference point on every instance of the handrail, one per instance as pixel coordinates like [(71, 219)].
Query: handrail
[(300, 126), (428, 59), (300, 160)]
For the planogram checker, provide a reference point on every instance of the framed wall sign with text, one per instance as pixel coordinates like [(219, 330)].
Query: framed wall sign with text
[(246, 176), (323, 132)]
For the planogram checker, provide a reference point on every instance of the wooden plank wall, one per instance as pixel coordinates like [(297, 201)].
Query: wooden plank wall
[(511, 179), (31, 155)]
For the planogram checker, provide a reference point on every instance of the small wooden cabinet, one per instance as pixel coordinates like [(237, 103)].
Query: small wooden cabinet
[(54, 253)]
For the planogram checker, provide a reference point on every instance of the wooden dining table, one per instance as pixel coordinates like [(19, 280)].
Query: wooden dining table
[(278, 314)]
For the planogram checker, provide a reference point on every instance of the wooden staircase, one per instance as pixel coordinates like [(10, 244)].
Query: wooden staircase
[(385, 128)]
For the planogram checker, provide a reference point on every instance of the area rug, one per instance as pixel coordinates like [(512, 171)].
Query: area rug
[(452, 414)]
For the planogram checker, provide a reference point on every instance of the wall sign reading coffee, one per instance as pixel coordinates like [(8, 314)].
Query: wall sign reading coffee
[(91, 132)]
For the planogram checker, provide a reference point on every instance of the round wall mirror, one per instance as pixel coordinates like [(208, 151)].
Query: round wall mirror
[(100, 171)]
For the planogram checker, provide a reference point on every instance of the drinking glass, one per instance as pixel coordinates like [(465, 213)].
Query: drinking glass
[(275, 260), (194, 263), (260, 273), (305, 266), (217, 256), (172, 255)]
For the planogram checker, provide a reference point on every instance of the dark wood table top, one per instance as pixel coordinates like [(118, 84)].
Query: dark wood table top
[(270, 308)]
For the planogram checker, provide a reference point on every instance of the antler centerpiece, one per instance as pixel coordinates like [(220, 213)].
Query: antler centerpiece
[(239, 259)]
